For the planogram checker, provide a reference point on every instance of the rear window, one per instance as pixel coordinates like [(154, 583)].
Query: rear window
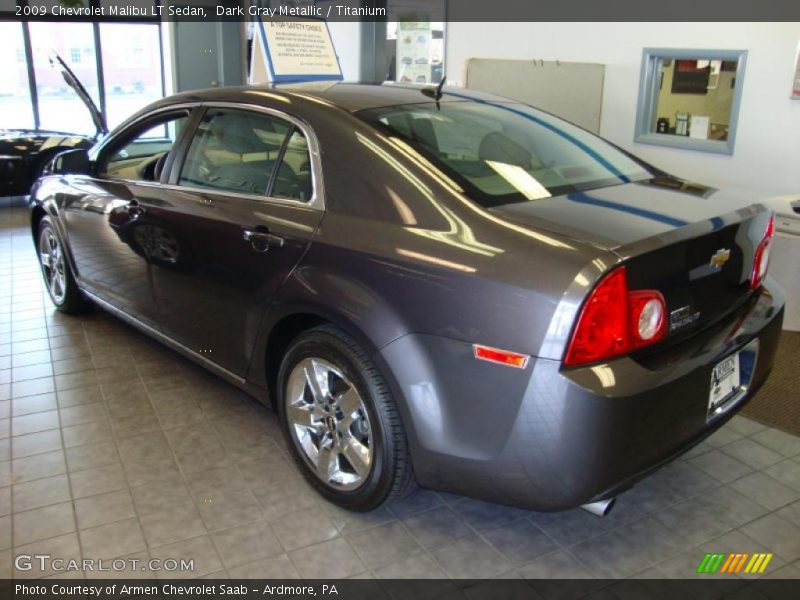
[(504, 152)]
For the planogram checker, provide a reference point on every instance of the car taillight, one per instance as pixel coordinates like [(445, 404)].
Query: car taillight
[(761, 259), (615, 321)]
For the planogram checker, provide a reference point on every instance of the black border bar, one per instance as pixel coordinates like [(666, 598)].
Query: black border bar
[(413, 589), (444, 10)]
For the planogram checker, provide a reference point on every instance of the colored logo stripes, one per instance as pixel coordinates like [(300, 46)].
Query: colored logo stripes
[(734, 562)]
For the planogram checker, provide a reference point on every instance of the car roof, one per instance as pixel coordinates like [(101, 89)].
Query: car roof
[(351, 97)]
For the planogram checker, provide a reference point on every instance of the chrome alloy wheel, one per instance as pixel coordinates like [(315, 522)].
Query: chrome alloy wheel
[(329, 423), (53, 266)]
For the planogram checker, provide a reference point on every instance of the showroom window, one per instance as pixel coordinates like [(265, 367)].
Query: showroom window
[(60, 109), (690, 98), (131, 60), (15, 93), (119, 64)]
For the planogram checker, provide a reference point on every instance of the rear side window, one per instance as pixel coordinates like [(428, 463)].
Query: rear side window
[(250, 153), (502, 152), (293, 179)]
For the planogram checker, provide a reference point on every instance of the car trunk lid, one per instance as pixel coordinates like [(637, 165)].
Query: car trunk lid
[(694, 244)]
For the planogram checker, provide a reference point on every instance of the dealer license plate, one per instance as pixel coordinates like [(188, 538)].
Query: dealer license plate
[(725, 382)]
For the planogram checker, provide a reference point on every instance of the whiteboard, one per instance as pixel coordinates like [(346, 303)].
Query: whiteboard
[(570, 90)]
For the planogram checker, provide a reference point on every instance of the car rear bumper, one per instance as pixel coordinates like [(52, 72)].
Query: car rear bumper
[(547, 438)]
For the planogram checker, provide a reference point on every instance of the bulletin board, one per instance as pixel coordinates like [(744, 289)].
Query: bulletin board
[(570, 90)]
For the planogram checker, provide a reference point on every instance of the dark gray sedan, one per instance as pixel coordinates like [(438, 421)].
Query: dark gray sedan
[(430, 286)]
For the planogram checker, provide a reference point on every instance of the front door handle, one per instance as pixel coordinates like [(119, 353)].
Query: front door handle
[(134, 210), (262, 240)]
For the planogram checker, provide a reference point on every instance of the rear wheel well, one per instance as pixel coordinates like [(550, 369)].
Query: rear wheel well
[(284, 333)]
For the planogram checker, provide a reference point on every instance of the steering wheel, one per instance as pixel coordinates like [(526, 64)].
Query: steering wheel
[(147, 169), (159, 166)]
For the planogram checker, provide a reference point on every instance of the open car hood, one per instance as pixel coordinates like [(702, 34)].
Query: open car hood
[(69, 77)]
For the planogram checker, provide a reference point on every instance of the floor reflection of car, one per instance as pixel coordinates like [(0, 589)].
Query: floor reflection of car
[(24, 153), (429, 285)]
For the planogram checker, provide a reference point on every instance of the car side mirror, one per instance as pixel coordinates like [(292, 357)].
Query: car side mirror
[(71, 162)]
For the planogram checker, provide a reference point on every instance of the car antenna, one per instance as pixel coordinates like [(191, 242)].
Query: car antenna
[(436, 93)]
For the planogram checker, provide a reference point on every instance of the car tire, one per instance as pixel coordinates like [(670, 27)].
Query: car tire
[(56, 270), (341, 422)]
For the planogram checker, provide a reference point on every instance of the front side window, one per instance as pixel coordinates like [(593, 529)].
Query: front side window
[(250, 153), (503, 152), (141, 157)]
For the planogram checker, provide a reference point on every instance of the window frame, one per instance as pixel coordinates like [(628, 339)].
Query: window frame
[(649, 85), (317, 200)]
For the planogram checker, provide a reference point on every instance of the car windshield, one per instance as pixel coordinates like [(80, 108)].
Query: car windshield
[(506, 152)]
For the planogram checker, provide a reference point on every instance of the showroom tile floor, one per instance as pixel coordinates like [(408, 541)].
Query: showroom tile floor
[(112, 446)]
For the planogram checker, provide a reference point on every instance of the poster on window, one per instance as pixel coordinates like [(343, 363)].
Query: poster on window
[(796, 84), (414, 52)]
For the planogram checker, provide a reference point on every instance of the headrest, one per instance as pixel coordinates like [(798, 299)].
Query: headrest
[(497, 147), (422, 131), (236, 134)]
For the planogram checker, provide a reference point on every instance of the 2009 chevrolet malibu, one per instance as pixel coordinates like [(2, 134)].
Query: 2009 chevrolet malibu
[(429, 286)]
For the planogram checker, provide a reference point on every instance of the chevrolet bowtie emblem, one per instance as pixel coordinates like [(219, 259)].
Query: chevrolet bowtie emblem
[(720, 257)]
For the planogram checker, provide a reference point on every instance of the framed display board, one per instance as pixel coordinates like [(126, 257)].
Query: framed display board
[(293, 51)]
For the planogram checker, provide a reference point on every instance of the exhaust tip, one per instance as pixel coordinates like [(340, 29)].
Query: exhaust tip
[(600, 508)]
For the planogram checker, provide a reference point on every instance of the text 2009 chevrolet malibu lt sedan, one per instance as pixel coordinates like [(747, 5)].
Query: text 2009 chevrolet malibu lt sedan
[(445, 288)]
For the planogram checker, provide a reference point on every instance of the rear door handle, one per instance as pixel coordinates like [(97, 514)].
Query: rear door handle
[(262, 240)]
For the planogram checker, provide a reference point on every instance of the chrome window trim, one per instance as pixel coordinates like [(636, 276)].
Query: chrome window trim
[(242, 195), (317, 201)]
